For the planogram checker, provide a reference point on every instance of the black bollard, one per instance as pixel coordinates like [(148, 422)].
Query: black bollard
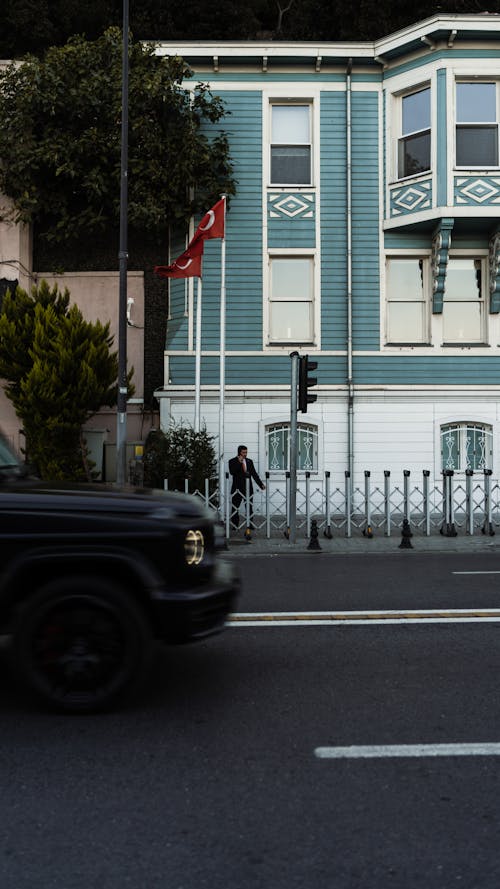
[(314, 542), (406, 534)]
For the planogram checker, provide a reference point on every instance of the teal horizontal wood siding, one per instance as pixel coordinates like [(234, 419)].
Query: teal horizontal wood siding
[(177, 325), (243, 234), (442, 370), (268, 370), (333, 188), (365, 220), (390, 370)]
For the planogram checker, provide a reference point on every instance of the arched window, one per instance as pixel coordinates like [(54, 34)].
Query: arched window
[(278, 447), (466, 446)]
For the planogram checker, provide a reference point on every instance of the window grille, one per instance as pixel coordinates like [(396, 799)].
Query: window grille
[(278, 447), (466, 446)]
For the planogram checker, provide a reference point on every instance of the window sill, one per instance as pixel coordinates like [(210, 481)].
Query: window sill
[(291, 344), (409, 345), (463, 345), (285, 188), (414, 177), (475, 170)]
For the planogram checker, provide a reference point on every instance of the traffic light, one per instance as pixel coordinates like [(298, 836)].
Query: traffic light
[(305, 382)]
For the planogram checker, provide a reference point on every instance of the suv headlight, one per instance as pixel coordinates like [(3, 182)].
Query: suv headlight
[(194, 547)]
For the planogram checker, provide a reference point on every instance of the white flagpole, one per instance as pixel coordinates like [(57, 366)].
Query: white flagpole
[(197, 381), (222, 365)]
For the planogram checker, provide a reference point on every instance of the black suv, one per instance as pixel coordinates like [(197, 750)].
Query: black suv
[(91, 575)]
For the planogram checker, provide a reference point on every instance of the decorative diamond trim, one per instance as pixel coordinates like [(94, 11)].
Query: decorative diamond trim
[(291, 206), (410, 198), (480, 190)]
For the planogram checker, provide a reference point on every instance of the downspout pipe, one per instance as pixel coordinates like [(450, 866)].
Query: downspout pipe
[(350, 383)]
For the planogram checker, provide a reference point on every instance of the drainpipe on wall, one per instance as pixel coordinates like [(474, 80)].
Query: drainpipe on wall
[(350, 384)]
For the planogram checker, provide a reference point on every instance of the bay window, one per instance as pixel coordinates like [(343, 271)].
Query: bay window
[(414, 145), (476, 124)]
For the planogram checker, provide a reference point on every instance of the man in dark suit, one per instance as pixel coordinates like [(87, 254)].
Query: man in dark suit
[(241, 468)]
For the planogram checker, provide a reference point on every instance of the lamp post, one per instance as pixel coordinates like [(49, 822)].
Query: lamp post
[(121, 411)]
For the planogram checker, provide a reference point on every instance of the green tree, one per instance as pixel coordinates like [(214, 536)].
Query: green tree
[(60, 371), (60, 140), (179, 454)]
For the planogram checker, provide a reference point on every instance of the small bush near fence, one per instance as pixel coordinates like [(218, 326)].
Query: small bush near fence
[(179, 454)]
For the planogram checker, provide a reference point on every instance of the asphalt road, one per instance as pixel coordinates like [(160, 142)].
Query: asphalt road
[(211, 778)]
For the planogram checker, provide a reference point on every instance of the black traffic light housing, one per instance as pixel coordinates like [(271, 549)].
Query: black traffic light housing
[(305, 382)]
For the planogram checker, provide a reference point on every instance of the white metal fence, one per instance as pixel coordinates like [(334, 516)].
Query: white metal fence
[(467, 503)]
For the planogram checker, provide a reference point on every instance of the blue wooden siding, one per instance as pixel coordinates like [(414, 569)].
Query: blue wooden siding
[(243, 234), (268, 370), (440, 370), (177, 327), (271, 370), (365, 220), (333, 221)]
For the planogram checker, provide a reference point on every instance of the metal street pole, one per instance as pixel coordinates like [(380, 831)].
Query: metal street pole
[(121, 414), (293, 446)]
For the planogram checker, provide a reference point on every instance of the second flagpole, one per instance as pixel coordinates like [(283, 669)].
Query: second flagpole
[(222, 366), (197, 376)]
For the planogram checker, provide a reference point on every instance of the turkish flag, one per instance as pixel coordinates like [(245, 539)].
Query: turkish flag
[(212, 224), (187, 265)]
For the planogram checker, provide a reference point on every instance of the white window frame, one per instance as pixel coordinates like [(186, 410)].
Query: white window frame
[(417, 88), (296, 102), (463, 124), (311, 341), (483, 301), (426, 299), (304, 429)]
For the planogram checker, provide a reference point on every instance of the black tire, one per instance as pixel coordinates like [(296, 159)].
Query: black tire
[(81, 644)]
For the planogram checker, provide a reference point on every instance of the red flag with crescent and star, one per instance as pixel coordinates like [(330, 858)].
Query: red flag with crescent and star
[(187, 265), (212, 224)]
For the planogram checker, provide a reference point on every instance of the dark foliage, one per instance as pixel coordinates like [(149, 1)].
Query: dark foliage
[(179, 454), (33, 25)]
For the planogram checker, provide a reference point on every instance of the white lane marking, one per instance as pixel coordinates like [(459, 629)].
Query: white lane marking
[(475, 572), (349, 618), (404, 750)]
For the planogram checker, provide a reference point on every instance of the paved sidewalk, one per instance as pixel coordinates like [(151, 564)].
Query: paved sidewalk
[(359, 544)]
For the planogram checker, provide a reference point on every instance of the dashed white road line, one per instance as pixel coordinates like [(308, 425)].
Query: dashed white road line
[(346, 618), (404, 750), (475, 572)]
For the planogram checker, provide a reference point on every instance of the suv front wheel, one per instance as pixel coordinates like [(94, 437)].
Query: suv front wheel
[(81, 643)]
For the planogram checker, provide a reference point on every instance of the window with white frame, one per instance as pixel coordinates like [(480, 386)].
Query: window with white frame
[(477, 124), (278, 447), (466, 446), (407, 288), (291, 144), (414, 144), (291, 299), (464, 301)]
